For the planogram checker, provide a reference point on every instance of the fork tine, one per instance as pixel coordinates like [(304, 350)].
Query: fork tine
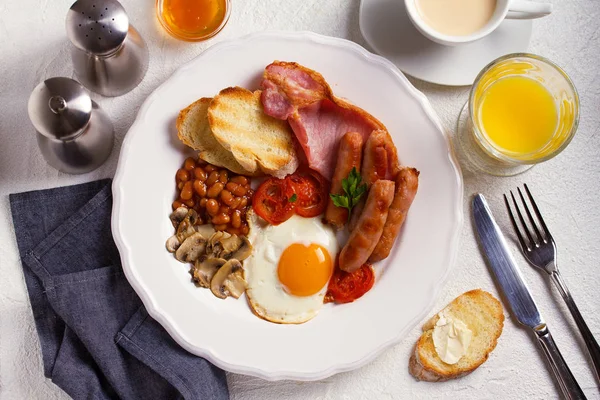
[(535, 228), (531, 241), (514, 223), (537, 212)]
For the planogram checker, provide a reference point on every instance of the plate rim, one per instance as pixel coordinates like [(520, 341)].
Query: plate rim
[(207, 353)]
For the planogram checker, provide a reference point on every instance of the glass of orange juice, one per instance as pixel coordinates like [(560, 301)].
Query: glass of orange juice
[(193, 20), (523, 109)]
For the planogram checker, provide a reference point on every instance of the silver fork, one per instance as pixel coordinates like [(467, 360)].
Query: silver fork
[(540, 251)]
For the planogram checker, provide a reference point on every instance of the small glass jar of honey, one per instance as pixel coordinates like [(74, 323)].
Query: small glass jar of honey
[(193, 20)]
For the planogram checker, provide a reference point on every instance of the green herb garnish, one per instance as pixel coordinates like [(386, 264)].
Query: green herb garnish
[(353, 190), (293, 198)]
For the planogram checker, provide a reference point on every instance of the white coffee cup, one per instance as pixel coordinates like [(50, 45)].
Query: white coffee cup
[(511, 9)]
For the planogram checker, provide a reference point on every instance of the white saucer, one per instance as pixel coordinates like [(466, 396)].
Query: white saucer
[(385, 26)]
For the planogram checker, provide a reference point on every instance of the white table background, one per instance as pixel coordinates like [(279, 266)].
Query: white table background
[(33, 47)]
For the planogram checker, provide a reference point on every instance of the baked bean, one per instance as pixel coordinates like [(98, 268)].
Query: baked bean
[(212, 207), (182, 175), (227, 197), (220, 219), (224, 209), (200, 174), (240, 180), (186, 191), (243, 203), (236, 202), (240, 191), (200, 188), (236, 219), (212, 178), (214, 190), (190, 203), (189, 164), (219, 196)]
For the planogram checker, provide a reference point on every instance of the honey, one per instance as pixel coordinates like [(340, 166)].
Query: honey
[(193, 19)]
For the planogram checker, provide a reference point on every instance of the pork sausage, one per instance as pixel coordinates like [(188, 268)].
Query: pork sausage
[(407, 183), (369, 228), (349, 156), (374, 167), (393, 164)]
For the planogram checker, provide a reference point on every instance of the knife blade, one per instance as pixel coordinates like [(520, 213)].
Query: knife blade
[(508, 275), (504, 266)]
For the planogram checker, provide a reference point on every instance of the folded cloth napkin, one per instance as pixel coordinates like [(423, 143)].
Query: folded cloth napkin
[(97, 339)]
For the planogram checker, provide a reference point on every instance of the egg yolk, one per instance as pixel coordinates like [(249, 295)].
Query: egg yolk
[(304, 270)]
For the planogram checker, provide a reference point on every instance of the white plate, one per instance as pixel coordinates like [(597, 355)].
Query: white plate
[(225, 332), (385, 26)]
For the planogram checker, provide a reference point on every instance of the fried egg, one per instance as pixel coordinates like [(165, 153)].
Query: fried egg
[(289, 269)]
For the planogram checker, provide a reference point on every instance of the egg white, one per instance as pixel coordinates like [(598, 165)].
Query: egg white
[(266, 295)]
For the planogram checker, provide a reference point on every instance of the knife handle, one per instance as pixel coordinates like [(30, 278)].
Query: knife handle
[(588, 337), (565, 378)]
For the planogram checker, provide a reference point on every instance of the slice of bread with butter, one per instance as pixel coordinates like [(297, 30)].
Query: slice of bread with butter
[(459, 338)]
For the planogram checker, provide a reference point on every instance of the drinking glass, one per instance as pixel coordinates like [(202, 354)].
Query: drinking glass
[(478, 152), (169, 23)]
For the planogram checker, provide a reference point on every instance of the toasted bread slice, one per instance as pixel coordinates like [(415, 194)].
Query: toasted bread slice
[(193, 130), (483, 315), (258, 142)]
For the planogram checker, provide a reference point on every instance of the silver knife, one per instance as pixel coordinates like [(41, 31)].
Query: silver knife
[(515, 290)]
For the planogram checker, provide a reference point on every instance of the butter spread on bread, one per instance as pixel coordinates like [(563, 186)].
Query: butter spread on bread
[(451, 338)]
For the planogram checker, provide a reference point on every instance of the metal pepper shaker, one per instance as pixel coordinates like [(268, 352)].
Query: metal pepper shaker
[(109, 56), (73, 133)]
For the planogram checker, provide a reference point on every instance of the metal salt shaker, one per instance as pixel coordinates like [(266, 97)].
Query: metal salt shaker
[(73, 133), (109, 55)]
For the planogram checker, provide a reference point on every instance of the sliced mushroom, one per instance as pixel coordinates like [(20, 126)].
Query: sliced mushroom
[(229, 246), (207, 230), (178, 215), (205, 268), (173, 244), (229, 280), (186, 226), (214, 246), (243, 251), (191, 249), (218, 236), (192, 215)]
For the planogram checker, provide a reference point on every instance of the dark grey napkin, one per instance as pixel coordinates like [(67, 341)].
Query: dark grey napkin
[(97, 339)]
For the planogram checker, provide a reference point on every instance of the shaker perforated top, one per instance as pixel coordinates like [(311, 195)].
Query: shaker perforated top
[(98, 27)]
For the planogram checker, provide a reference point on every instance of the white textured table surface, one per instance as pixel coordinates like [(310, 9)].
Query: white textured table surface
[(33, 47)]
